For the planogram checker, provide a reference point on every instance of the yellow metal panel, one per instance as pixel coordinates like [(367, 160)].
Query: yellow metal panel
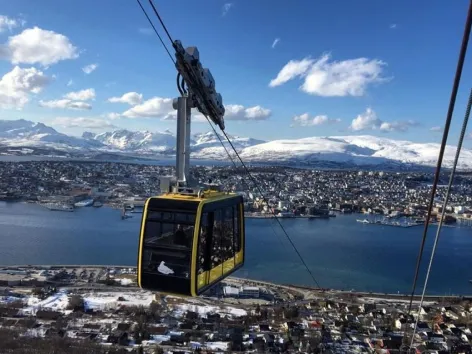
[(141, 240), (239, 257), (228, 265), (202, 280), (240, 254), (215, 273)]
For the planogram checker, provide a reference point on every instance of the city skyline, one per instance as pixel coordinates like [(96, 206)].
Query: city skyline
[(386, 74)]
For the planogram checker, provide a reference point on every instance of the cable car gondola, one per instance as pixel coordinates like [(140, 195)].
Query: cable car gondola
[(188, 243)]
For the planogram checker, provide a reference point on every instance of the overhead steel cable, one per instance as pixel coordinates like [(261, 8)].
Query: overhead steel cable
[(276, 218), (450, 111), (443, 212), (236, 169), (232, 146), (162, 22), (155, 30)]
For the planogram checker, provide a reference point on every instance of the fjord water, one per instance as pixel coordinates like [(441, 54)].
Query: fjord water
[(341, 253)]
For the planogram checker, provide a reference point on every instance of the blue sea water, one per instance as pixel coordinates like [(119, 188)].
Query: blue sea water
[(341, 253)]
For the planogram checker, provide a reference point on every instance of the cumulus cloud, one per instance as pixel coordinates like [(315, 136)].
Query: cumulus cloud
[(8, 23), (436, 129), (291, 70), (232, 112), (368, 120), (397, 126), (365, 121), (131, 98), (82, 122), (323, 77), (88, 69), (156, 107), (16, 85), (113, 115), (70, 83), (275, 42), (82, 95), (226, 8), (393, 26), (65, 104), (38, 46), (305, 120), (239, 112)]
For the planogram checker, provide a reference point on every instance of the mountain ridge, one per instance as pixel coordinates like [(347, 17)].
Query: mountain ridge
[(349, 150)]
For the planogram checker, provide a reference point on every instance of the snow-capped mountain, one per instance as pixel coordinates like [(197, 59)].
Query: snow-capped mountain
[(209, 139), (347, 151), (146, 141), (135, 140), (26, 133), (356, 150)]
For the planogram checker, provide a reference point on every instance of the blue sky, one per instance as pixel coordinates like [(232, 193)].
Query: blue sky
[(356, 67)]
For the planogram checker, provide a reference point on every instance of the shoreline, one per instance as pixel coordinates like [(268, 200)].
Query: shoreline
[(301, 288)]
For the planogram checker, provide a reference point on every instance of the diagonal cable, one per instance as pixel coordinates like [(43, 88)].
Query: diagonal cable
[(450, 111), (443, 212)]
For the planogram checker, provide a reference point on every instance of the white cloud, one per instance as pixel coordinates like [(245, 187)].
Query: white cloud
[(156, 107), (324, 78), (277, 40), (393, 26), (226, 8), (112, 115), (232, 112), (197, 117), (16, 85), (436, 129), (239, 112), (70, 83), (8, 23), (89, 68), (82, 122), (397, 126), (38, 46), (304, 120), (82, 95), (65, 104), (291, 70), (131, 98), (368, 120)]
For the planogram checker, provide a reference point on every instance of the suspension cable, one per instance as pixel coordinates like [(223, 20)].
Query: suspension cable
[(273, 212), (162, 22), (155, 30), (443, 212), (457, 78), (234, 149)]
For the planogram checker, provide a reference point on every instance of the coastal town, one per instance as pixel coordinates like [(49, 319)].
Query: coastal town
[(286, 192), (99, 309)]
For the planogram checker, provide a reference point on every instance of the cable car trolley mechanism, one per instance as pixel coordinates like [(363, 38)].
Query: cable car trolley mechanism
[(191, 237)]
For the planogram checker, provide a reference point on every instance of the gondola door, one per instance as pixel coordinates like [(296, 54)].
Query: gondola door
[(220, 246)]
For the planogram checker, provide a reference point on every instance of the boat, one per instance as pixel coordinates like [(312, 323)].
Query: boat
[(97, 204), (59, 207), (84, 203)]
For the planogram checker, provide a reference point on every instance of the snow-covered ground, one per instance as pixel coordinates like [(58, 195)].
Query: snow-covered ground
[(56, 302), (203, 310), (109, 300)]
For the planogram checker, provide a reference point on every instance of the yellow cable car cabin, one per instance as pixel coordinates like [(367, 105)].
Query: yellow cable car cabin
[(190, 243)]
